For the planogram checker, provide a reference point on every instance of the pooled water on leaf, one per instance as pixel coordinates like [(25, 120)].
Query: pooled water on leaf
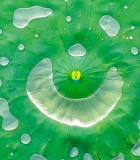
[(136, 149), (23, 16), (74, 152), (21, 47), (119, 157), (4, 61), (109, 25), (87, 156), (134, 50), (37, 157), (9, 121), (77, 50), (25, 138)]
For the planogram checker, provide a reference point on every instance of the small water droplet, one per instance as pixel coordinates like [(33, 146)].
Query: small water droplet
[(89, 28), (0, 31), (87, 156), (132, 27), (125, 7), (66, 0), (11, 154), (136, 149), (111, 3), (139, 124), (134, 51), (4, 61), (0, 82), (77, 50), (119, 157), (130, 37), (25, 138), (37, 157), (36, 35), (74, 152), (21, 47), (68, 18)]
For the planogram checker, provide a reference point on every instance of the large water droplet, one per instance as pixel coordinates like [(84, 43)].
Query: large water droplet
[(119, 157), (21, 47), (134, 51), (4, 61), (68, 18), (74, 152), (109, 25), (9, 121), (23, 16), (136, 149), (87, 156), (25, 138), (37, 157), (77, 50)]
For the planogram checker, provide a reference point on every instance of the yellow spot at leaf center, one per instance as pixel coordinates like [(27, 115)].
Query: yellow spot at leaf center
[(75, 75)]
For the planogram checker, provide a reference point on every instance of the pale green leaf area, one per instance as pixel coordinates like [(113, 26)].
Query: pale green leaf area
[(83, 102)]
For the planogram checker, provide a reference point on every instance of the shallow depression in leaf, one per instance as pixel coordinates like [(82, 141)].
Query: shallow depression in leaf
[(119, 157), (109, 25), (37, 157), (82, 112), (9, 121), (23, 16)]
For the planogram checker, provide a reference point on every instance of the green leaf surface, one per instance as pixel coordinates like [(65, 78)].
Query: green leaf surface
[(109, 71)]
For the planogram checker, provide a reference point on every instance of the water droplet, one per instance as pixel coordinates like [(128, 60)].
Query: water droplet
[(9, 121), (4, 61), (36, 35), (0, 82), (23, 16), (68, 18), (109, 25), (111, 3), (74, 152), (21, 47), (132, 27), (125, 7), (77, 50), (37, 157), (87, 156), (139, 124), (136, 149), (119, 157), (89, 28), (0, 31), (130, 37), (25, 138), (134, 51), (11, 154)]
